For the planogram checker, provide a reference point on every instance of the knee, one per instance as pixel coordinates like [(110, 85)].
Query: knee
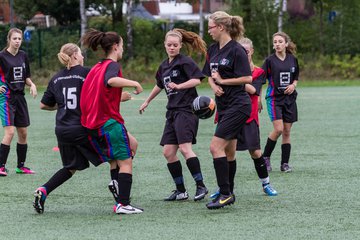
[(278, 131), (214, 150), (169, 155)]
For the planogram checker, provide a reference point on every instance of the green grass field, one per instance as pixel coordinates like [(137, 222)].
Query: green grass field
[(318, 200)]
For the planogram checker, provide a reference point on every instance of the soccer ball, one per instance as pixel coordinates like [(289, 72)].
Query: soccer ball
[(203, 107)]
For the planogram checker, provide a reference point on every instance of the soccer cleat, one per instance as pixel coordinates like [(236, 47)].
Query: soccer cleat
[(40, 197), (268, 164), (269, 190), (221, 201), (24, 170), (215, 194), (114, 189), (3, 172), (200, 193), (285, 168), (177, 196), (128, 209)]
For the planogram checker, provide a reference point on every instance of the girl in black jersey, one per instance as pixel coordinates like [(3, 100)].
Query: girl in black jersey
[(14, 75), (179, 75), (228, 70), (282, 72), (63, 95)]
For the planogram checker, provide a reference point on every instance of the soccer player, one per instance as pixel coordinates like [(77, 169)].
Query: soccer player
[(63, 95), (179, 75), (282, 71), (14, 75), (228, 69), (249, 138), (100, 108)]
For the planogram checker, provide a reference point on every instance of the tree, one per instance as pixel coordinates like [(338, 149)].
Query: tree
[(83, 19)]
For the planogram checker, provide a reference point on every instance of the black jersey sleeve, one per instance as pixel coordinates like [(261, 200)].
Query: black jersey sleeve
[(206, 69), (265, 67), (297, 70), (27, 65), (112, 70), (192, 70), (49, 96), (158, 78), (241, 64), (257, 84)]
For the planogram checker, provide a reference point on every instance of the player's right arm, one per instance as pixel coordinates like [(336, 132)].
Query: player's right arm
[(156, 90)]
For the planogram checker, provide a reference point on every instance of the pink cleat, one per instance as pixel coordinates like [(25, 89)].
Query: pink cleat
[(24, 170), (3, 172)]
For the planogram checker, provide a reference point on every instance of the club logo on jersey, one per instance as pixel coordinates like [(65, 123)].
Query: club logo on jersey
[(214, 67), (175, 73), (224, 62), (169, 91), (284, 80), (18, 73), (292, 69)]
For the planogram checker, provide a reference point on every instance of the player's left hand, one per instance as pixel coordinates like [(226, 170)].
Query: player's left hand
[(33, 91), (125, 96), (289, 89)]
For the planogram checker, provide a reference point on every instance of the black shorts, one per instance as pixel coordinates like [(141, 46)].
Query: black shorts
[(78, 156), (285, 110), (180, 127), (14, 111), (230, 124), (249, 137)]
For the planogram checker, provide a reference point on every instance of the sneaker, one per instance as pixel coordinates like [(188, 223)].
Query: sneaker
[(285, 168), (3, 172), (114, 189), (268, 164), (200, 193), (215, 194), (269, 190), (24, 170), (177, 196), (221, 201), (40, 197), (128, 209)]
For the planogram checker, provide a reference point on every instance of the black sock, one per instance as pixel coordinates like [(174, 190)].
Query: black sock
[(285, 152), (260, 167), (193, 165), (221, 166), (57, 179), (175, 170), (125, 182), (232, 172), (4, 153), (21, 150), (114, 173), (269, 147)]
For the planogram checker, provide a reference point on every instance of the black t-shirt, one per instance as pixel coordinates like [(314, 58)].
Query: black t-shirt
[(231, 62), (15, 70), (280, 74), (64, 90), (180, 70)]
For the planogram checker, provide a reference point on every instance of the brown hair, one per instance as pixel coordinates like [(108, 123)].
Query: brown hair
[(291, 47), (190, 39), (233, 24), (10, 33), (66, 51), (93, 38)]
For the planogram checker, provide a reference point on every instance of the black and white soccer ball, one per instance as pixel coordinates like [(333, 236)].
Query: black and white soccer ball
[(204, 107)]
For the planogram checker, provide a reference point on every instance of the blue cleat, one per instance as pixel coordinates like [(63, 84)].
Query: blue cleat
[(215, 194), (269, 190)]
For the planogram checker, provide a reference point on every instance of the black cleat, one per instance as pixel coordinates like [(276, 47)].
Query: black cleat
[(177, 196), (221, 201), (200, 193)]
